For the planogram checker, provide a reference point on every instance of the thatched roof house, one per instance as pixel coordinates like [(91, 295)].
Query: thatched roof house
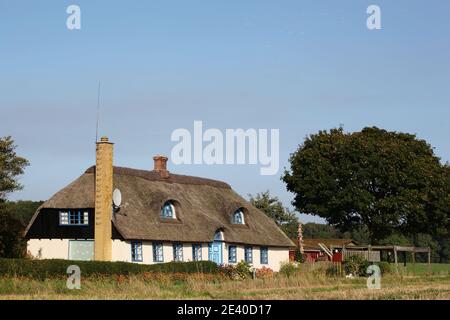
[(204, 206), (203, 212)]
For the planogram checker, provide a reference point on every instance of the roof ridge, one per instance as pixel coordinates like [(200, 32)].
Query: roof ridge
[(154, 175)]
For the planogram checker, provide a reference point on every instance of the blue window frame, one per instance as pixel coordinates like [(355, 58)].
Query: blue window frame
[(178, 252), (248, 254), (168, 211), (73, 218), (232, 254), (158, 255), (238, 217), (196, 252), (136, 251), (264, 255)]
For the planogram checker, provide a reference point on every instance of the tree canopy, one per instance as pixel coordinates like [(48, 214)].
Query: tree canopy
[(11, 166), (14, 217), (273, 208), (384, 181)]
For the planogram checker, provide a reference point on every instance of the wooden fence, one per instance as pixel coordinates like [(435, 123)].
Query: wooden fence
[(373, 256)]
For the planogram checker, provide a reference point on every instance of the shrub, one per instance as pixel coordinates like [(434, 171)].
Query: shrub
[(288, 269), (239, 271), (332, 271), (243, 270), (356, 265), (264, 273), (42, 269), (227, 270), (184, 267), (385, 267), (298, 256)]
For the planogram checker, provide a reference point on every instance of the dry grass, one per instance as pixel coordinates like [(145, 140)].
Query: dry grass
[(303, 286)]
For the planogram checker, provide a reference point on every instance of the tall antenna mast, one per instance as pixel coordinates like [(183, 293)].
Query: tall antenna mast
[(98, 112)]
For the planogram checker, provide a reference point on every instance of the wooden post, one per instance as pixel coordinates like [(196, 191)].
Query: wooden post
[(395, 258), (404, 259), (368, 253), (414, 261), (429, 260)]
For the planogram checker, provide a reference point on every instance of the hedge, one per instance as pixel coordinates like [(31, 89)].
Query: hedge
[(42, 269)]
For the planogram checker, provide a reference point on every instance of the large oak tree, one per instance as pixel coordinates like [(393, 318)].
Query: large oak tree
[(385, 181)]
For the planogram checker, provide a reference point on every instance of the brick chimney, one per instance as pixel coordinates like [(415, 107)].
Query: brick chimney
[(103, 200), (160, 166)]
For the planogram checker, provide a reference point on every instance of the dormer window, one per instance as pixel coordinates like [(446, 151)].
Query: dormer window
[(168, 211), (218, 236), (238, 217)]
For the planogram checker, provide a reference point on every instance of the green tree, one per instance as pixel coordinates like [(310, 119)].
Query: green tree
[(11, 225), (11, 166), (273, 208), (14, 217), (385, 181), (444, 252), (312, 230)]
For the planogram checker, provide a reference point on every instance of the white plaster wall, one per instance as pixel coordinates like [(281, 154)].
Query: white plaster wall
[(147, 252), (49, 248), (187, 252), (205, 251), (276, 256), (121, 251)]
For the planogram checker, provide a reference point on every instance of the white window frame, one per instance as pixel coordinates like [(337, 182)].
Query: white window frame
[(239, 213), (64, 218)]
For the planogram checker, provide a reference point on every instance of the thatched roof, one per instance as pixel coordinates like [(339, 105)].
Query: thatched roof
[(204, 206)]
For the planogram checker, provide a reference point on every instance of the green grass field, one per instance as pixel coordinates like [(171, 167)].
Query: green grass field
[(305, 285), (424, 268)]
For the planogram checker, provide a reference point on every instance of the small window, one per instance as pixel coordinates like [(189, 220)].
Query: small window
[(158, 252), (238, 217), (63, 218), (196, 252), (248, 254), (73, 218), (232, 258), (168, 211), (136, 251), (178, 252), (218, 236), (264, 259)]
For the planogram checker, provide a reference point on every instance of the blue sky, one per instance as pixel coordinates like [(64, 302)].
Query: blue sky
[(299, 66)]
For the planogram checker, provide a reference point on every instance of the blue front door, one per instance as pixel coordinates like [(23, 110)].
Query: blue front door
[(215, 252)]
